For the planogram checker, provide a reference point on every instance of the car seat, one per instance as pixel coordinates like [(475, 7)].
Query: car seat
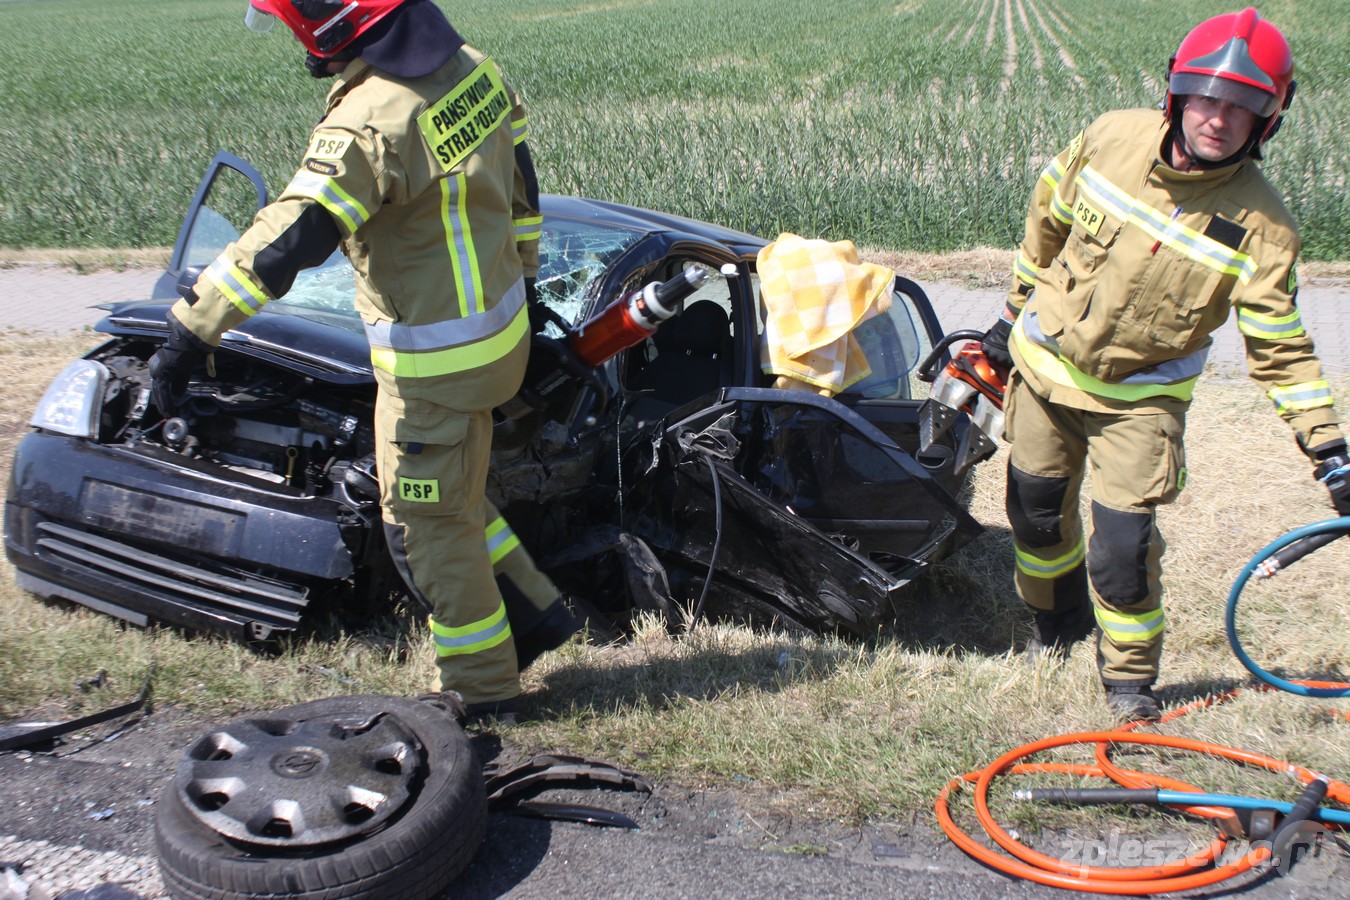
[(692, 351)]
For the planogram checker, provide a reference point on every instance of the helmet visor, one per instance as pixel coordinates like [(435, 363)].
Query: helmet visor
[(1263, 103), (257, 21)]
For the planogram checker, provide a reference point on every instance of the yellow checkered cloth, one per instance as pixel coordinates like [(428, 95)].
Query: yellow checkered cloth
[(814, 293)]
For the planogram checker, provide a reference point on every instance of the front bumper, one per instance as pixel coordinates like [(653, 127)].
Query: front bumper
[(146, 536)]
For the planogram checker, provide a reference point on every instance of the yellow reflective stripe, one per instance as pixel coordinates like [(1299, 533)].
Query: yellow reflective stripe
[(1059, 209), (501, 540), (1166, 229), (1269, 328), (1065, 373), (519, 130), (459, 243), (1037, 567), (472, 638), (411, 364), (1127, 627), (1300, 397), (237, 287), (1024, 269), (327, 193), (1053, 173), (529, 228)]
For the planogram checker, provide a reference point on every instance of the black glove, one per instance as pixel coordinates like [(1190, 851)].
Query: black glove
[(995, 346), (1333, 470), (172, 363)]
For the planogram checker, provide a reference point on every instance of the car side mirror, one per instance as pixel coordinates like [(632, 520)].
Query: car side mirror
[(187, 281)]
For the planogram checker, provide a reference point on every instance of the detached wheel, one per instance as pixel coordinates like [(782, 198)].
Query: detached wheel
[(363, 796)]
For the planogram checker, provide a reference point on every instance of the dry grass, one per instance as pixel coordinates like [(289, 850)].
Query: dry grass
[(831, 728)]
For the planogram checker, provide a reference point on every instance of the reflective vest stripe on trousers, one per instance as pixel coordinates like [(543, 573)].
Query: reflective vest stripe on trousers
[(237, 287), (1164, 228), (451, 345), (1036, 567), (1173, 378), (472, 638), (1300, 397), (1269, 328), (1126, 627), (501, 540)]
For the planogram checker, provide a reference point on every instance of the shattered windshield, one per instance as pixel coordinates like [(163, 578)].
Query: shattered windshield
[(573, 255)]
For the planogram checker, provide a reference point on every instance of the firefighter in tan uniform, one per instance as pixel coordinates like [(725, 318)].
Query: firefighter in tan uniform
[(419, 170), (1142, 236)]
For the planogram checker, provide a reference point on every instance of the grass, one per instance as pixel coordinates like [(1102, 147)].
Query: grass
[(826, 728), (914, 125)]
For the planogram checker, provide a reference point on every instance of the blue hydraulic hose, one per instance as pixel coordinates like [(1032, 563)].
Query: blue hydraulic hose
[(1230, 613), (1182, 798)]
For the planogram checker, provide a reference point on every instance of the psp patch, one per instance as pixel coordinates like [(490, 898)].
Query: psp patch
[(1089, 218), (328, 145), (419, 490)]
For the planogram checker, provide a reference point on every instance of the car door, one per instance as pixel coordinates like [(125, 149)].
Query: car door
[(229, 195)]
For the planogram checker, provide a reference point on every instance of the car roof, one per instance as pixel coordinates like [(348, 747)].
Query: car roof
[(646, 220)]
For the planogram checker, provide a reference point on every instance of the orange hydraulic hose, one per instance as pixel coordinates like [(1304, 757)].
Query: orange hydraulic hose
[(1178, 875)]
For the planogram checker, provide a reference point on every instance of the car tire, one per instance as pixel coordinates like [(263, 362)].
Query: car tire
[(413, 851)]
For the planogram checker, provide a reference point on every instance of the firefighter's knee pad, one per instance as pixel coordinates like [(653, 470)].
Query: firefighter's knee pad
[(1118, 554), (1035, 505)]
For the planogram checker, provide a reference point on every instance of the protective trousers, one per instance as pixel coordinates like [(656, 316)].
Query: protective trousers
[(1137, 463), (449, 543)]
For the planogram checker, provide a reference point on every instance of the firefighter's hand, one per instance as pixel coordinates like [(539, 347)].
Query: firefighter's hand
[(995, 346), (172, 363)]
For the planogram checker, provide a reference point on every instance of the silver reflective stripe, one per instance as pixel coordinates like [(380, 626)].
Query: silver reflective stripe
[(232, 282), (1166, 228), (478, 637), (349, 211), (459, 241), (1172, 371), (449, 332)]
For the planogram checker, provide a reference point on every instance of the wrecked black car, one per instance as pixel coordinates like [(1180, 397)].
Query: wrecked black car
[(672, 481)]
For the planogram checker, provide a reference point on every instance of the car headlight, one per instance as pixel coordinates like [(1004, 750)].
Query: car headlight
[(72, 402)]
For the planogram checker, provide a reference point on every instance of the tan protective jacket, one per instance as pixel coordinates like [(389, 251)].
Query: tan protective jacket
[(433, 210), (1131, 265)]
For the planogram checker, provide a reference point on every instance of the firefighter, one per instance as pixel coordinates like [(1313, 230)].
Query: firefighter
[(420, 172), (1141, 237)]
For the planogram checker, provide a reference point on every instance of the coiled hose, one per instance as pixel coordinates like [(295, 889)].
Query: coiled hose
[(1279, 554), (1196, 870)]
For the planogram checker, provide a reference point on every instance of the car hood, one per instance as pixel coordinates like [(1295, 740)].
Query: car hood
[(330, 347)]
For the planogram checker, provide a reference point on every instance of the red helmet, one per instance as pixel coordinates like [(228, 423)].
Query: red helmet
[(323, 26), (1239, 57)]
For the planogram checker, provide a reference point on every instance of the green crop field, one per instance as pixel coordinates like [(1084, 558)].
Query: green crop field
[(911, 125)]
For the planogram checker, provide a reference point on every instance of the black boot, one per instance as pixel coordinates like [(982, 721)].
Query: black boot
[(549, 632), (1053, 633), (1134, 703)]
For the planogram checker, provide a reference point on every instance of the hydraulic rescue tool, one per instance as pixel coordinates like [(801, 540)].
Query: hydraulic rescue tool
[(559, 368), (968, 384)]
